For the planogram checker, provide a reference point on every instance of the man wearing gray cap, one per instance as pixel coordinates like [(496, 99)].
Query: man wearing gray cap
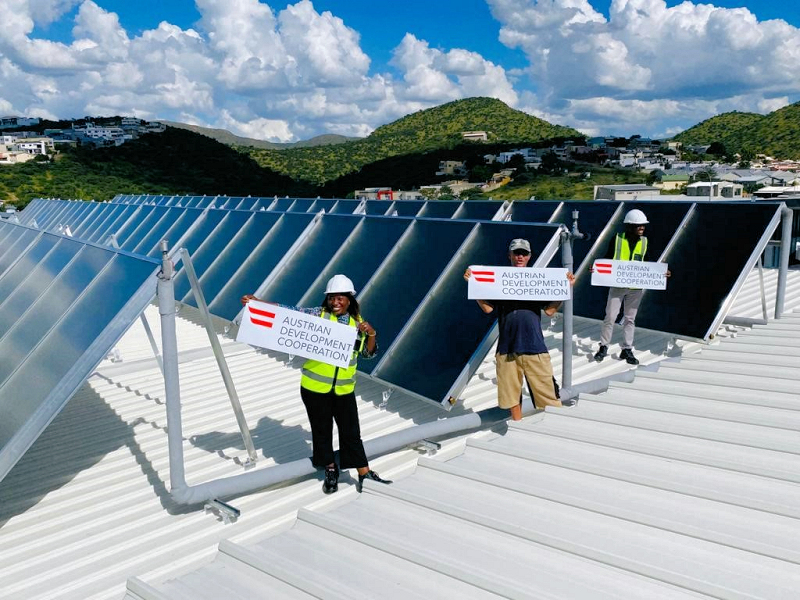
[(521, 350)]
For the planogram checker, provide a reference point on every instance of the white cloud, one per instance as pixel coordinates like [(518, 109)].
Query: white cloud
[(263, 129), (298, 72), (649, 63), (432, 75), (287, 75)]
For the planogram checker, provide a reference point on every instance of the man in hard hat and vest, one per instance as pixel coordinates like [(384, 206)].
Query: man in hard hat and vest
[(629, 245), (521, 350)]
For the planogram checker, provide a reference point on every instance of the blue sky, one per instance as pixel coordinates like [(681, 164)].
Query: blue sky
[(286, 71)]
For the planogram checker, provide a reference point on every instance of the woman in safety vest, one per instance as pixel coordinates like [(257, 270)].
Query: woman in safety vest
[(328, 391)]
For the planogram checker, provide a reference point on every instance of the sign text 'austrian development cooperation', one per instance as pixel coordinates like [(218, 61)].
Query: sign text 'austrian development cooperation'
[(518, 283), (630, 274), (277, 328)]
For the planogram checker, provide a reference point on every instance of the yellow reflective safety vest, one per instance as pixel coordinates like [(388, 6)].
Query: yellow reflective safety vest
[(622, 249), (321, 377)]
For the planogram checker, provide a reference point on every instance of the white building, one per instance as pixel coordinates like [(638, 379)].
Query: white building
[(475, 136), (715, 190), (115, 135), (43, 146), (11, 122), (632, 191)]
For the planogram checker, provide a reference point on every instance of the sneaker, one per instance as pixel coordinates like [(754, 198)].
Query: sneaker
[(568, 402), (370, 475), (331, 483), (601, 354), (628, 357)]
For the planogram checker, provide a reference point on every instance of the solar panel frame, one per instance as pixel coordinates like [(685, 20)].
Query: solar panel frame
[(50, 328)]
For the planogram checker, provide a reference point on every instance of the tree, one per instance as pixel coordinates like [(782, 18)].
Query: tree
[(470, 193), (717, 149), (517, 161), (705, 174), (446, 193), (479, 173), (550, 163), (430, 193)]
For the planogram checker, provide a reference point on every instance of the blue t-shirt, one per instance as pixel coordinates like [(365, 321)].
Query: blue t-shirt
[(520, 323)]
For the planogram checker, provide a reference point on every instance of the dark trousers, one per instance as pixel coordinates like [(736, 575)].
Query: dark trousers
[(323, 410)]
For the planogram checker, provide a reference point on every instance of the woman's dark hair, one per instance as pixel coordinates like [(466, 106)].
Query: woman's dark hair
[(353, 308)]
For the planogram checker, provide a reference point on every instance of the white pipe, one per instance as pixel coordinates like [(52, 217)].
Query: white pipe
[(248, 482)]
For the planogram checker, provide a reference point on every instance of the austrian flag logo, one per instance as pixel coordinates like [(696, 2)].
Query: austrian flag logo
[(263, 322), (484, 276), (604, 268)]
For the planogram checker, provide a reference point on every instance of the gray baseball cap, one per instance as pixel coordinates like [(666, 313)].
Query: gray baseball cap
[(519, 244)]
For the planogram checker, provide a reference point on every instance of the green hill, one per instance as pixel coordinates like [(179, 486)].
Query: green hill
[(173, 162), (403, 154), (776, 134), (425, 131)]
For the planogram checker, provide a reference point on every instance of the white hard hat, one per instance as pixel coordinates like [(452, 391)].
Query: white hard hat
[(636, 217), (340, 284)]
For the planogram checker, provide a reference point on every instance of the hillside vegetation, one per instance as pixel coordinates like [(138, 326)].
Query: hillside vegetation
[(422, 132), (174, 162), (776, 134)]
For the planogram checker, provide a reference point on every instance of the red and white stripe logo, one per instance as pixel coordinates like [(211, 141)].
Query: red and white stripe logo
[(265, 322), (604, 268), (484, 276)]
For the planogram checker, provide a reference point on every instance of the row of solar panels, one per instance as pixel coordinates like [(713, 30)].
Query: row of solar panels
[(63, 305), (692, 237), (406, 270), (473, 209), (64, 301)]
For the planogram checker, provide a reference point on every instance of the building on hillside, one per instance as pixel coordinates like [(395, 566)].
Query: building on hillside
[(715, 190), (673, 181), (11, 122), (497, 180), (452, 167), (12, 157), (475, 136), (387, 193), (527, 154), (628, 191), (776, 191), (456, 186), (41, 145)]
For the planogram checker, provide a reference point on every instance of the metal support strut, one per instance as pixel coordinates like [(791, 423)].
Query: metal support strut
[(783, 268), (567, 237), (220, 356)]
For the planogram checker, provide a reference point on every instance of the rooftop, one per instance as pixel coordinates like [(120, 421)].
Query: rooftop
[(88, 506)]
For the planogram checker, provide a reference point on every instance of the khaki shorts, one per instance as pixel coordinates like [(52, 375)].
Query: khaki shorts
[(536, 369)]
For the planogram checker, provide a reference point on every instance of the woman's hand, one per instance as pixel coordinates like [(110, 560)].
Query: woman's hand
[(467, 274), (571, 278), (365, 327), (246, 298)]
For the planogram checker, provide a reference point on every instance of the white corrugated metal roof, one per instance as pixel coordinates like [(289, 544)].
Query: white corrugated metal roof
[(88, 507)]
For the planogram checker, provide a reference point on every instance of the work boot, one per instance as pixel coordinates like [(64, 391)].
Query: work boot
[(601, 354), (628, 357), (370, 475), (331, 483)]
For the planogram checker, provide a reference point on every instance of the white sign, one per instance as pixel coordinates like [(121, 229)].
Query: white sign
[(518, 283), (276, 328), (630, 274)]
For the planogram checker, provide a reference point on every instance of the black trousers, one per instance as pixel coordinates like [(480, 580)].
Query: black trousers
[(323, 410)]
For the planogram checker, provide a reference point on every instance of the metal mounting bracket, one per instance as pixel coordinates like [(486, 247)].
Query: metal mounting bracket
[(229, 514)]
